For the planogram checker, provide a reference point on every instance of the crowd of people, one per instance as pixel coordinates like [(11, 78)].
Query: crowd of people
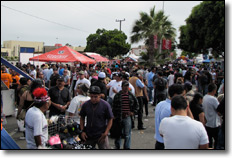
[(106, 99)]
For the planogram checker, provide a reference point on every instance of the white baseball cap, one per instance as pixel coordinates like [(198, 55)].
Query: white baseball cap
[(102, 75)]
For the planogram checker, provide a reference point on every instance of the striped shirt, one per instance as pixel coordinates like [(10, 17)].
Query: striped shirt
[(125, 103)]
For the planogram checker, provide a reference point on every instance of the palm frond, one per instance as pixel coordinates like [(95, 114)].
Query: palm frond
[(152, 12)]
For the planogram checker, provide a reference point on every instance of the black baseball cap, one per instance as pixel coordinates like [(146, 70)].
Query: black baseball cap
[(118, 74), (94, 90), (125, 83), (60, 78)]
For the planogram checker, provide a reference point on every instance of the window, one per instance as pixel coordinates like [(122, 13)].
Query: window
[(27, 50), (4, 54)]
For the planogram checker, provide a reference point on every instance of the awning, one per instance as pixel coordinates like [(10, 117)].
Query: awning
[(63, 54), (97, 57)]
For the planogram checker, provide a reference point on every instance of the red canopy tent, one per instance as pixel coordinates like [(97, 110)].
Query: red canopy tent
[(63, 54), (97, 57)]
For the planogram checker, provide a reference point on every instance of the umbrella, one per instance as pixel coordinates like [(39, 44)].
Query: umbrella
[(183, 57), (213, 60)]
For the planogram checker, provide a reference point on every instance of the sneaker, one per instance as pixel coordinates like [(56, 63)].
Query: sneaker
[(22, 138), (141, 128)]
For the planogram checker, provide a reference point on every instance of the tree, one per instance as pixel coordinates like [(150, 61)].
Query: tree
[(67, 44), (150, 25), (204, 29), (111, 43)]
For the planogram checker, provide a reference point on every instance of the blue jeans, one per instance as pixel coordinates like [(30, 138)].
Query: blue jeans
[(221, 139), (150, 89), (126, 130), (110, 101), (205, 89)]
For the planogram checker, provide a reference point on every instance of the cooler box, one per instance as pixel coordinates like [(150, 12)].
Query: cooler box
[(8, 100)]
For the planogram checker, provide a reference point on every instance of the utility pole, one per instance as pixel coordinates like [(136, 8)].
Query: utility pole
[(163, 6), (161, 35), (120, 23)]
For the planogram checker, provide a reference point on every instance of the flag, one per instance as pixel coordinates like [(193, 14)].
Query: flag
[(155, 41), (167, 44)]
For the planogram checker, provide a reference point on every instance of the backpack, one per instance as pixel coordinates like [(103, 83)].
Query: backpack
[(160, 84)]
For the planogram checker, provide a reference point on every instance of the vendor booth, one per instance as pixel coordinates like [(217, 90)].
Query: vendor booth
[(97, 57), (63, 54)]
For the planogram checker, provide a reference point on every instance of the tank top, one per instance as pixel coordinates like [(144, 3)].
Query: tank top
[(27, 103)]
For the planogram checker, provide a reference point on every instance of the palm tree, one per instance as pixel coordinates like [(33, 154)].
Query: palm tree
[(150, 25)]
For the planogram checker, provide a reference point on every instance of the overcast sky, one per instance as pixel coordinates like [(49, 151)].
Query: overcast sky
[(73, 21)]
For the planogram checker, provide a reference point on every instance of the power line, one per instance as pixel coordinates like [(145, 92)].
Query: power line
[(93, 9), (44, 19)]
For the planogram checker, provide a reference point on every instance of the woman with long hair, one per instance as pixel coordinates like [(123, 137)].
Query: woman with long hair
[(27, 98), (196, 108)]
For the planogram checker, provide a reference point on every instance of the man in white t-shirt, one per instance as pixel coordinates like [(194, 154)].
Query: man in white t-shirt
[(32, 71), (77, 102), (36, 127), (184, 71), (115, 86), (171, 79), (81, 79), (210, 104), (181, 131)]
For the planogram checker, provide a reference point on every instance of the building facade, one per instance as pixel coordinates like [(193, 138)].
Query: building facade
[(13, 48), (5, 52), (137, 51)]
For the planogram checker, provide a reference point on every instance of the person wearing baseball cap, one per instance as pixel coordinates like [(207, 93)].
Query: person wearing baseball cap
[(81, 79), (53, 77), (76, 103), (124, 106), (125, 77), (114, 86), (81, 73), (101, 84), (60, 98), (99, 120)]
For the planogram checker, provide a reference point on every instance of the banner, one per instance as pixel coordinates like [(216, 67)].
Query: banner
[(155, 41), (167, 44)]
